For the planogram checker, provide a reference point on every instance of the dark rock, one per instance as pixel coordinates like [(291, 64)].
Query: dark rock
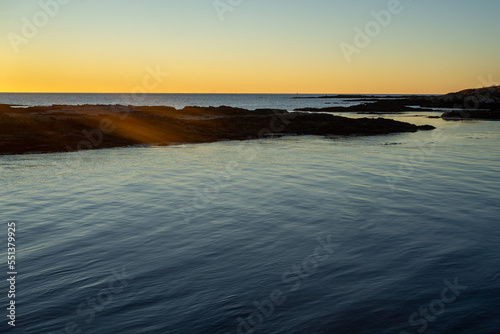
[(380, 106), (71, 128), (484, 101), (493, 115)]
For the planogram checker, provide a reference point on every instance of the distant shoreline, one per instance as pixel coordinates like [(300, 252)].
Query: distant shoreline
[(482, 103)]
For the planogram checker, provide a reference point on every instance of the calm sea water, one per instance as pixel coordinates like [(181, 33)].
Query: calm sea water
[(383, 234), (249, 101)]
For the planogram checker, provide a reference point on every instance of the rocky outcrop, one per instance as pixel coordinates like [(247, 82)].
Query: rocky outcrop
[(472, 114), (385, 106), (481, 103), (71, 128), (484, 97)]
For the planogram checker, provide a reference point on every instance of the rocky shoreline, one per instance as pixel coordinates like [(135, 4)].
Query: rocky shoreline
[(481, 103), (67, 128), (385, 106)]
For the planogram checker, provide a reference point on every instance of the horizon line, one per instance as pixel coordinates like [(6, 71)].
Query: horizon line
[(221, 93)]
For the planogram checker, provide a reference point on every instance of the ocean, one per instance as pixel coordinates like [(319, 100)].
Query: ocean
[(248, 101), (381, 234)]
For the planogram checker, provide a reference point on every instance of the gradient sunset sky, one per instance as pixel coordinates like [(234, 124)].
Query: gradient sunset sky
[(260, 46)]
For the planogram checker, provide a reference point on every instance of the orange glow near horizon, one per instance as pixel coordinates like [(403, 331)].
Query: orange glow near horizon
[(88, 48), (260, 79)]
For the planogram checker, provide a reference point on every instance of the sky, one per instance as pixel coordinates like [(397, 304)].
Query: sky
[(248, 46)]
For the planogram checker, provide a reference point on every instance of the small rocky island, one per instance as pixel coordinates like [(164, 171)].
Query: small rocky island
[(73, 128)]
